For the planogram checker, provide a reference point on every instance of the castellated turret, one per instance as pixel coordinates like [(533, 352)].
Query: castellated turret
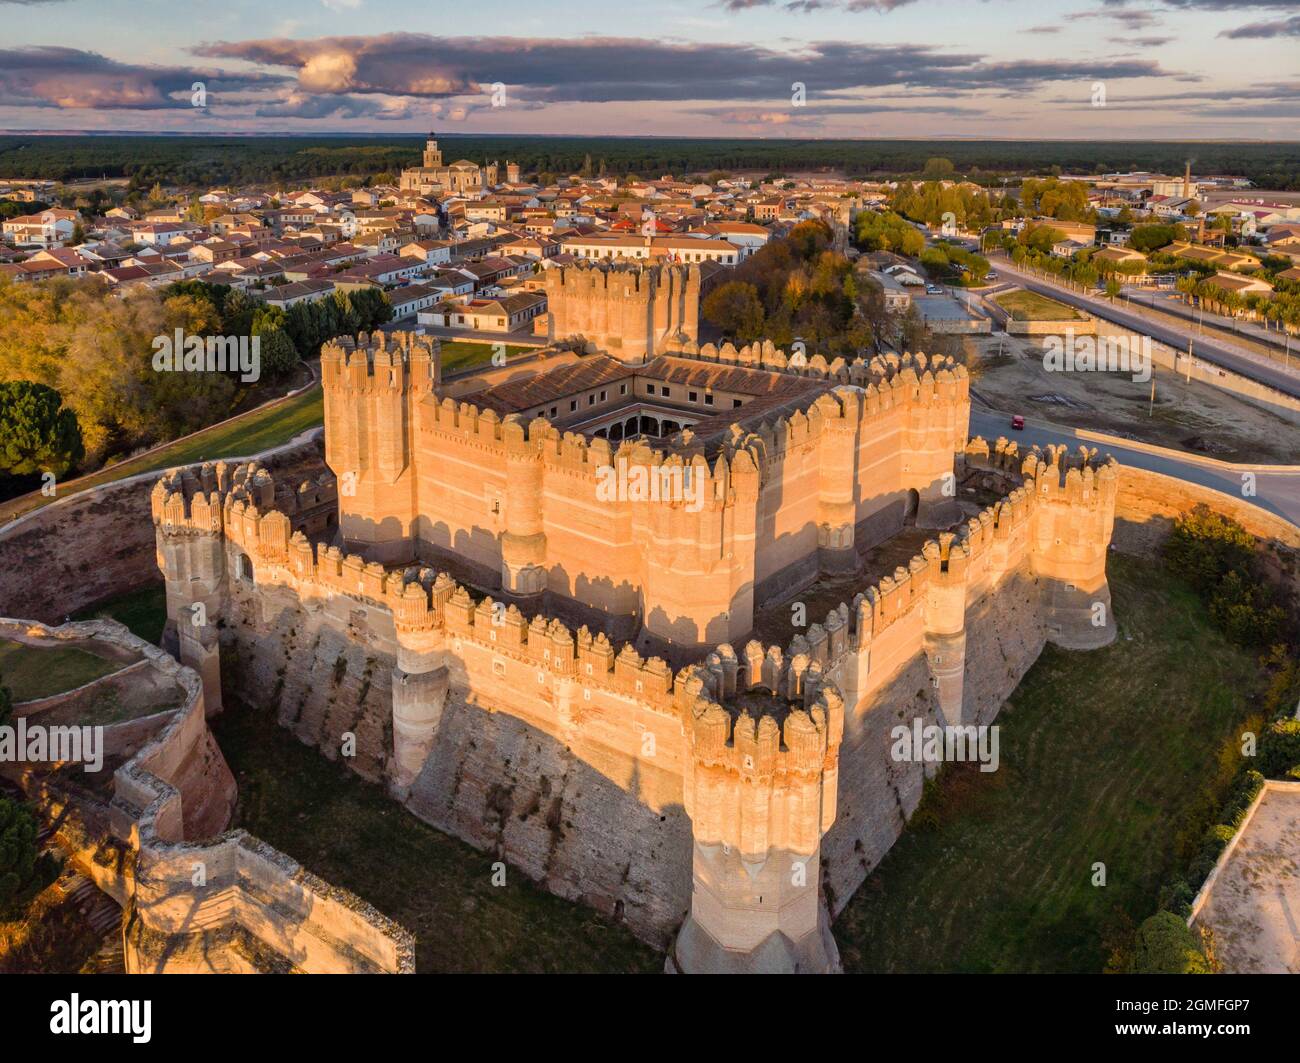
[(1074, 518), (760, 789), (372, 385), (630, 311)]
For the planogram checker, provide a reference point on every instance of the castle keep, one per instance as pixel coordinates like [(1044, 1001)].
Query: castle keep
[(631, 311), (579, 681)]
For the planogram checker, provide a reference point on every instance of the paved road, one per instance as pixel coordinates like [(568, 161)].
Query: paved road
[(1255, 367), (1172, 303), (1277, 492)]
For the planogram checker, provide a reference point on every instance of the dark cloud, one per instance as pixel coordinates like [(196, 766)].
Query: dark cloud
[(50, 76), (605, 69), (1286, 27)]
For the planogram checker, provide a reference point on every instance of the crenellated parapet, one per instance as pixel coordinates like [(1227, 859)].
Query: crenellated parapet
[(629, 310)]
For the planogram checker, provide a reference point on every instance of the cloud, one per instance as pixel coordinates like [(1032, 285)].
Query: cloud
[(610, 69), (51, 76), (303, 105), (1142, 42), (1288, 27), (816, 5)]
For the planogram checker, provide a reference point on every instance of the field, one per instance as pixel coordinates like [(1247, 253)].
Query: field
[(1105, 758), (1024, 305)]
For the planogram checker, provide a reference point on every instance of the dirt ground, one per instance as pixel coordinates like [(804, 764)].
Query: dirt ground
[(1194, 417)]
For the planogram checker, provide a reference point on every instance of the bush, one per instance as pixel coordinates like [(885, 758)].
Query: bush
[(1164, 944), (1279, 748), (1177, 897)]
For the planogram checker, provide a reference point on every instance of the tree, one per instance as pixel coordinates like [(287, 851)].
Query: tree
[(18, 850), (937, 167), (279, 355), (1113, 288), (37, 432), (736, 309)]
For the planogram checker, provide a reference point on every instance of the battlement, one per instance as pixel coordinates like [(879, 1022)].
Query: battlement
[(620, 278), (381, 361)]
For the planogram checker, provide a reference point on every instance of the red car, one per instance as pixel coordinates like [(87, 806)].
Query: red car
[(1018, 422)]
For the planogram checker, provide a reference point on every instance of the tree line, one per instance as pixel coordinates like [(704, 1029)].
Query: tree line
[(273, 160)]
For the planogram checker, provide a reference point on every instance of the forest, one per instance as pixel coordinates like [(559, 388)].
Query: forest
[(272, 160)]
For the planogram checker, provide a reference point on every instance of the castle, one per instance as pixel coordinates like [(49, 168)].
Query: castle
[(432, 177), (579, 679)]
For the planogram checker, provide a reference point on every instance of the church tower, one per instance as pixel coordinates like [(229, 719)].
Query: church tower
[(432, 153)]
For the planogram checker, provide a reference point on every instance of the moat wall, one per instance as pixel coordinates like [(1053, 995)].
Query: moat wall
[(96, 544)]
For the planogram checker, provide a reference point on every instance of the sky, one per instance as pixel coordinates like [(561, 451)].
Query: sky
[(1094, 69)]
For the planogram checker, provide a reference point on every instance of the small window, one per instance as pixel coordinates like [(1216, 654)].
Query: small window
[(573, 405), (554, 410), (591, 400), (735, 404), (692, 396), (649, 389), (602, 396), (666, 392), (708, 399)]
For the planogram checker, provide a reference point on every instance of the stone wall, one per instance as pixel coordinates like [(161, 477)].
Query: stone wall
[(1148, 503), (95, 544), (197, 900)]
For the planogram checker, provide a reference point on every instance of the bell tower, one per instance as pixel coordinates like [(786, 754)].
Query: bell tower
[(432, 153)]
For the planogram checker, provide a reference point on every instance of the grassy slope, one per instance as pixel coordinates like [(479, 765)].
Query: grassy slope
[(353, 835), (1103, 754)]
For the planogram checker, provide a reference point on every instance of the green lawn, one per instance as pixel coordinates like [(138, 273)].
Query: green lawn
[(143, 610), (39, 672), (250, 434), (1025, 305), (1105, 757), (353, 835), (459, 355)]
